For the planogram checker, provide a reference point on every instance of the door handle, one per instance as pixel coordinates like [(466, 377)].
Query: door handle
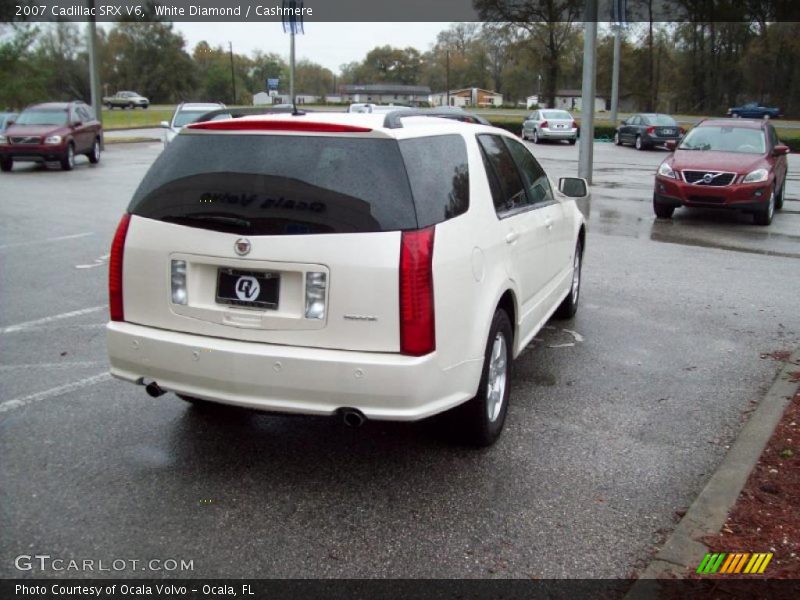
[(512, 237), (548, 223)]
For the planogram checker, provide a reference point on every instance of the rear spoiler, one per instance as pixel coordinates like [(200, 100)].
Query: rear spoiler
[(235, 113), (393, 120)]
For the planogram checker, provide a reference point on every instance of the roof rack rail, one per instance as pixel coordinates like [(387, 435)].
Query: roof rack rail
[(393, 120), (249, 111)]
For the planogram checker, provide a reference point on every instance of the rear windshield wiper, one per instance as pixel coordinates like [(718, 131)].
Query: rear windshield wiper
[(223, 220)]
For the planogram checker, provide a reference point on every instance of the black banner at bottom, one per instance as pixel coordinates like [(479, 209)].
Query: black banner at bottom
[(390, 589)]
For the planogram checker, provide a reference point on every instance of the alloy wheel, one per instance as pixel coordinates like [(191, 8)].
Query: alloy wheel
[(497, 378)]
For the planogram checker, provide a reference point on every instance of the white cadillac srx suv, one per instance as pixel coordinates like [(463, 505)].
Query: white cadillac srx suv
[(371, 266)]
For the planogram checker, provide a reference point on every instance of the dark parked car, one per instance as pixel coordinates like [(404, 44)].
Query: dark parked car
[(752, 110), (646, 130), (725, 164), (54, 131), (6, 118)]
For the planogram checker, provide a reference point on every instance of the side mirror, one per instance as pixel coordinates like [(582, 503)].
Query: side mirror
[(780, 150), (625, 122), (10, 122), (671, 145), (77, 123), (164, 124), (574, 187)]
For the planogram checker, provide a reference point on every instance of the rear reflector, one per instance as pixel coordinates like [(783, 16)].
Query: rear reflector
[(417, 323), (115, 270), (277, 125)]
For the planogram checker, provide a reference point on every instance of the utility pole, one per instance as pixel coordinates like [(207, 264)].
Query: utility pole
[(618, 16), (447, 75), (291, 67), (586, 147), (233, 76), (94, 77), (615, 74)]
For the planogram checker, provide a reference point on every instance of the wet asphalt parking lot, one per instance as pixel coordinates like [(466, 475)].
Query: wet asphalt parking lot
[(617, 420)]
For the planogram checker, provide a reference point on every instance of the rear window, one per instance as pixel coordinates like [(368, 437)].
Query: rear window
[(279, 185), (662, 120), (556, 114)]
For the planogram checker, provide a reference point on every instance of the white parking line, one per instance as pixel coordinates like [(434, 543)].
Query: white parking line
[(47, 240), (7, 405), (45, 320), (55, 365), (98, 262)]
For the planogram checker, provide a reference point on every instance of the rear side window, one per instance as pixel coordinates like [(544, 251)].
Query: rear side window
[(439, 176), (508, 191), (279, 185), (535, 179)]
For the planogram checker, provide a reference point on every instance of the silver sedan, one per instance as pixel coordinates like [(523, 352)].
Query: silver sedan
[(550, 124)]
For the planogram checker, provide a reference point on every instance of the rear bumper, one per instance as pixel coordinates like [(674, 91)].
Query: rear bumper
[(289, 379), (749, 196), (558, 134)]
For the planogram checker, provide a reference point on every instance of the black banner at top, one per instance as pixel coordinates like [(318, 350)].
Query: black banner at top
[(402, 10)]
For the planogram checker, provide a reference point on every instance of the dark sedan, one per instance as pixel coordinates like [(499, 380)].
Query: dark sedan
[(646, 130), (753, 110)]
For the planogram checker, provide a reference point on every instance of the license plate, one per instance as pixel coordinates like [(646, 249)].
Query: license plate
[(667, 131), (256, 289), (560, 126)]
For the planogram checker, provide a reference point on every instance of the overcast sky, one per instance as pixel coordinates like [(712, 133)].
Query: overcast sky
[(328, 44)]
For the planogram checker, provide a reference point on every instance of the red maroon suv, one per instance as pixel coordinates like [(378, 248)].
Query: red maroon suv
[(55, 131), (726, 164)]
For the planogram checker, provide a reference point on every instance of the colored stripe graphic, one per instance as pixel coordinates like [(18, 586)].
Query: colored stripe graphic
[(735, 563)]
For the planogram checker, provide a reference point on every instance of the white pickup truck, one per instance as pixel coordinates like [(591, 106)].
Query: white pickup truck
[(126, 100)]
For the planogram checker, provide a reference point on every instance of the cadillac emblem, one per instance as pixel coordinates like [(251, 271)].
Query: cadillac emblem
[(242, 246)]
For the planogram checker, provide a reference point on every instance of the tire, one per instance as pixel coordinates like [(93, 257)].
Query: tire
[(569, 306), (535, 137), (767, 117), (110, 106), (6, 164), (617, 138), (639, 144), (94, 154), (68, 160), (479, 421), (764, 216), (131, 106), (663, 211), (572, 141), (522, 135), (780, 196)]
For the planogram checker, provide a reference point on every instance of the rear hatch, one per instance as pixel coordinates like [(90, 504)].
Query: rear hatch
[(283, 238)]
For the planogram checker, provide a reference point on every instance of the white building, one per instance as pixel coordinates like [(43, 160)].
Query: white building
[(468, 97), (566, 99)]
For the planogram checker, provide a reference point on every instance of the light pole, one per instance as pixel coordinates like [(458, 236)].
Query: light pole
[(586, 147), (292, 24), (94, 77)]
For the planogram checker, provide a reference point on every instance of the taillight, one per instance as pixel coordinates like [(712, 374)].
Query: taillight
[(544, 125), (115, 270), (417, 323), (683, 131), (650, 130), (574, 125)]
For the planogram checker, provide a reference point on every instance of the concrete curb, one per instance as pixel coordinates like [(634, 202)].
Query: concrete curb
[(682, 552), (135, 140)]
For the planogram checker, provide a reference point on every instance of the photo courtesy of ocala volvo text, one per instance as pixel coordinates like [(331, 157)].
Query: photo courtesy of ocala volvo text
[(369, 266)]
